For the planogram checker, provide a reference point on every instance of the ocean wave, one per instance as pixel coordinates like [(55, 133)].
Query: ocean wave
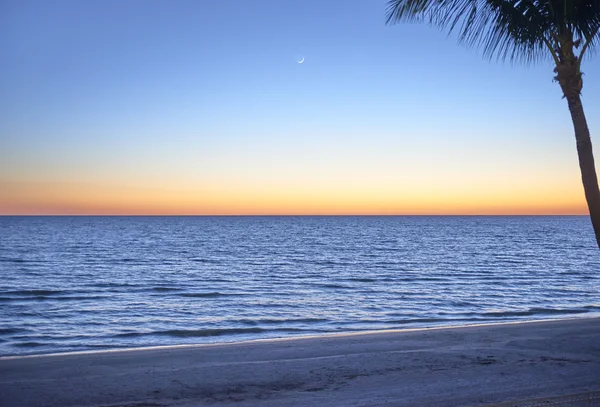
[(111, 285), (418, 278), (362, 280), (213, 294), (13, 260), (199, 333), (535, 311), (165, 289), (130, 260), (205, 260), (274, 321), (27, 344), (9, 331), (429, 320), (405, 321), (35, 292), (52, 298), (332, 285)]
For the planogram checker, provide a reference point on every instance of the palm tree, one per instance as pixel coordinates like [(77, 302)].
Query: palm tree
[(527, 30)]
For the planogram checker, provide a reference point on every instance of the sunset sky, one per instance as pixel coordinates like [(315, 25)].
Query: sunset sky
[(200, 107)]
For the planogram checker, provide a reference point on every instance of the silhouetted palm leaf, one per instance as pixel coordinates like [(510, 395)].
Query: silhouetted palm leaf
[(513, 29)]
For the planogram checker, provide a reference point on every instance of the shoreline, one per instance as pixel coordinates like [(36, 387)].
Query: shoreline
[(440, 366), (295, 337)]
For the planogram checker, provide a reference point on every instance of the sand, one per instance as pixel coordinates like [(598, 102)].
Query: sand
[(462, 366)]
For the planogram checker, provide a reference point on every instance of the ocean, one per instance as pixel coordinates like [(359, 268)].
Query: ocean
[(92, 283)]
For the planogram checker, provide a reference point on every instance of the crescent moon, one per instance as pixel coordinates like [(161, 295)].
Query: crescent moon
[(302, 60)]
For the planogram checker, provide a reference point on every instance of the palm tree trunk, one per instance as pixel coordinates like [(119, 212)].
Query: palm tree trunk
[(586, 161)]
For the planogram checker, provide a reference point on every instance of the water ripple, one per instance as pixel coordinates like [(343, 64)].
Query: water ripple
[(75, 283)]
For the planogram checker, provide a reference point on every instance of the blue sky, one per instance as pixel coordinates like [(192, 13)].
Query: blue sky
[(207, 97)]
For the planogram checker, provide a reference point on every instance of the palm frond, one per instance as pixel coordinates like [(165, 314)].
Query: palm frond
[(508, 29)]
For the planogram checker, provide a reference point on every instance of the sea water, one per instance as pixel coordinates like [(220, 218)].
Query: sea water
[(83, 283)]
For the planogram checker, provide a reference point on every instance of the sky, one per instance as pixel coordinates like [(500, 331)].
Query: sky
[(201, 108)]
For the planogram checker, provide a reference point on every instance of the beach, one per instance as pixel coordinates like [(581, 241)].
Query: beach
[(453, 366)]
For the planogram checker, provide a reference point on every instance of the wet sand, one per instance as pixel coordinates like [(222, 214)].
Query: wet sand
[(462, 366)]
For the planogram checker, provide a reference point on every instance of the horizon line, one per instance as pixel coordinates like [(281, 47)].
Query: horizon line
[(282, 215)]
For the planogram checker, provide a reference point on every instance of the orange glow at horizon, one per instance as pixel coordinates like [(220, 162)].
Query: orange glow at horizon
[(41, 198)]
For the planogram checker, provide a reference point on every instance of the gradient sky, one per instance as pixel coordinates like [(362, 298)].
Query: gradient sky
[(199, 107)]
